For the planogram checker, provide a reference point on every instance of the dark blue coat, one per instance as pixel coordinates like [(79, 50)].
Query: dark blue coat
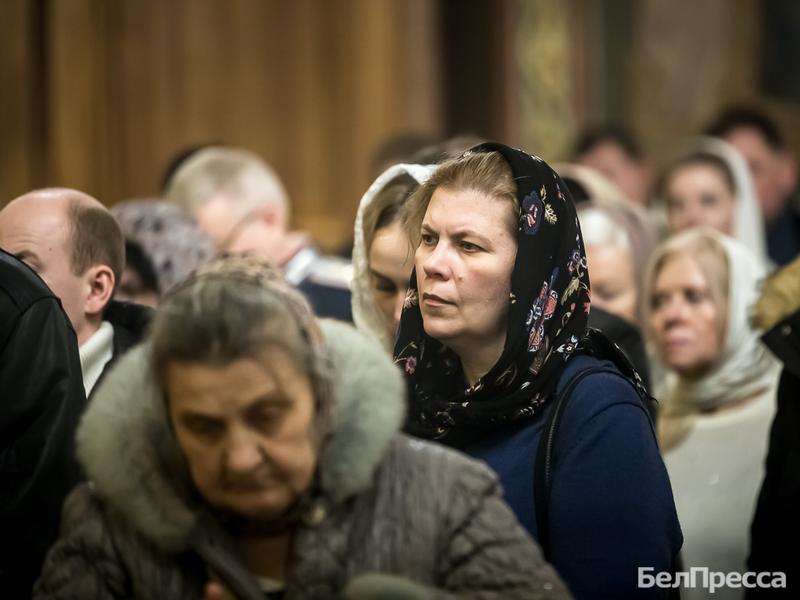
[(611, 505)]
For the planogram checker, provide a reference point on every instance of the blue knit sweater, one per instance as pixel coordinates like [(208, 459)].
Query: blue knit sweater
[(611, 506)]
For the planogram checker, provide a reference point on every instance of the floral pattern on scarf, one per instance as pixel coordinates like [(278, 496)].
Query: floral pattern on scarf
[(548, 312)]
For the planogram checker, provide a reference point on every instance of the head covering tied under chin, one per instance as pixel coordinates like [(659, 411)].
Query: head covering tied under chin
[(547, 316)]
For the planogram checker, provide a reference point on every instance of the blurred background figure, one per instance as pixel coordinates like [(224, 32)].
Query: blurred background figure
[(614, 232), (382, 254), (163, 245), (448, 148), (398, 149), (709, 185), (248, 449), (774, 173), (776, 524), (618, 237), (242, 206), (615, 153), (42, 400), (717, 399), (77, 248)]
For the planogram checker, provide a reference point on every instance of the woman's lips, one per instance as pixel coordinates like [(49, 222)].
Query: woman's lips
[(433, 300)]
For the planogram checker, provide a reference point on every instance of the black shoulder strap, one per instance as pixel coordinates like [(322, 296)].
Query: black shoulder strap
[(541, 473)]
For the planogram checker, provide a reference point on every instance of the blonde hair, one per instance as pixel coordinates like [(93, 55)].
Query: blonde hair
[(677, 419), (484, 172), (241, 176)]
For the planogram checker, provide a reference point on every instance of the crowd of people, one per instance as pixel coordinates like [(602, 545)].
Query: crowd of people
[(524, 381)]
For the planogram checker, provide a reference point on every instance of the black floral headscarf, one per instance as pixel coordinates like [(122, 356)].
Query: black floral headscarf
[(548, 313)]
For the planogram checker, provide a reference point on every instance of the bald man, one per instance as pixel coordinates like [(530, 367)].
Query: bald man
[(75, 245)]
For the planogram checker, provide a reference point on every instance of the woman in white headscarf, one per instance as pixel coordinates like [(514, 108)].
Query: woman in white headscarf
[(710, 185), (382, 255), (718, 396)]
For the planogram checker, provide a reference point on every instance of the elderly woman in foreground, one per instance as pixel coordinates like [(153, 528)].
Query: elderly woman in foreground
[(244, 451)]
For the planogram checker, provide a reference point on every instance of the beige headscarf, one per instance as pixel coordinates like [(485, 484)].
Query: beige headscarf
[(366, 315), (744, 367)]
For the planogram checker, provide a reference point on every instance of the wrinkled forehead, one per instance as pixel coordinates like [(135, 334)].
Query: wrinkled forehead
[(272, 376)]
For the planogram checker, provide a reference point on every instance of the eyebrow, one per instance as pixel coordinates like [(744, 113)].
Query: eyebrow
[(267, 400), (379, 274), (460, 233)]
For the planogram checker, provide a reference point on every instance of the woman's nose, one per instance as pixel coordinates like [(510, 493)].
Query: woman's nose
[(243, 454), (435, 262), (675, 310)]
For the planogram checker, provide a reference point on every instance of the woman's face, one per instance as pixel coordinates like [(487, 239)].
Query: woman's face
[(246, 431), (684, 321), (390, 264), (464, 264), (698, 195), (613, 282)]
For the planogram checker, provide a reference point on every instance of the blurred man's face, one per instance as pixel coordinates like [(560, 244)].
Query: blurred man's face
[(260, 231), (37, 231), (773, 172), (629, 175)]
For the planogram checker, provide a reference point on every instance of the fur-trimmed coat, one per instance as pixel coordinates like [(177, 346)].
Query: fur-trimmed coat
[(428, 521)]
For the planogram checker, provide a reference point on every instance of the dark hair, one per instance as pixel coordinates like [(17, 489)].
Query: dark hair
[(449, 148), (579, 193), (397, 149), (137, 260), (179, 158), (96, 239), (737, 117), (698, 158), (604, 134)]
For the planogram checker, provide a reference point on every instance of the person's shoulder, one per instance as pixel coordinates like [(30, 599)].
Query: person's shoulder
[(424, 463), (20, 284), (596, 386)]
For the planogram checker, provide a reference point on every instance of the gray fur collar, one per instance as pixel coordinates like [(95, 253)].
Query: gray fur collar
[(129, 453)]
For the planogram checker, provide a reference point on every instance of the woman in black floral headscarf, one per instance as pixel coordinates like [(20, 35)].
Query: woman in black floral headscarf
[(493, 336)]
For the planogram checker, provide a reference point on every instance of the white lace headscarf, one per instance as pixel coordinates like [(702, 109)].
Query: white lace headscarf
[(744, 366), (366, 315)]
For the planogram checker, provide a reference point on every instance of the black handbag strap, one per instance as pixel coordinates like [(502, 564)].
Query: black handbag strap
[(541, 474)]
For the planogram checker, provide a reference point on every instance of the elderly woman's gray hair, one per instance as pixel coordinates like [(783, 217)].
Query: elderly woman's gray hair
[(236, 307)]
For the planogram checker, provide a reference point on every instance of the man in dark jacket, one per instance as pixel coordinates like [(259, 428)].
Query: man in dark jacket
[(41, 400), (77, 248)]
